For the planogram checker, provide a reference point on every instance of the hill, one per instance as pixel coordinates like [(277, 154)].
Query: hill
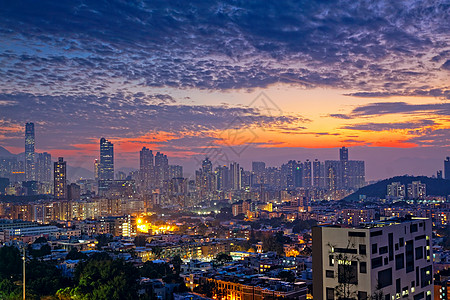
[(5, 153), (435, 187)]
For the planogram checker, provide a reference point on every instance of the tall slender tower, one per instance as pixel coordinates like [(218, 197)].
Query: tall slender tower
[(30, 167), (60, 179), (447, 168), (146, 168), (106, 168)]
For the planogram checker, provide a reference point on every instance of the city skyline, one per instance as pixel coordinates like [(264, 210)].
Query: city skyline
[(295, 80)]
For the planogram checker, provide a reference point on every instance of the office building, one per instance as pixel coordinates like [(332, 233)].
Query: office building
[(385, 260), (447, 168), (106, 167), (60, 179), (30, 168)]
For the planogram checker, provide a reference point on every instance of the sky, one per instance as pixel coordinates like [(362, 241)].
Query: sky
[(233, 80)]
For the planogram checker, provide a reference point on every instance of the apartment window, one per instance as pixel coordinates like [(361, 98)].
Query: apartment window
[(385, 278), (383, 250), (348, 273), (374, 248), (376, 233), (419, 296), (362, 249), (377, 262), (331, 260), (425, 276), (399, 261), (329, 273), (363, 267), (387, 297), (357, 233), (413, 228), (330, 294), (419, 253), (345, 250), (398, 285), (401, 241), (362, 295), (410, 256)]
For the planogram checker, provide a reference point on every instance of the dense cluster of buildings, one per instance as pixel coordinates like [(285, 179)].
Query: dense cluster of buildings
[(259, 220)]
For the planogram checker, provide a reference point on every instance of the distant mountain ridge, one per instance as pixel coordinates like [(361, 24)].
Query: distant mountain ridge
[(5, 153), (73, 173), (435, 187)]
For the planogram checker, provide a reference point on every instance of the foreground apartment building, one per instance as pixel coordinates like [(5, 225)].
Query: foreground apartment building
[(384, 260)]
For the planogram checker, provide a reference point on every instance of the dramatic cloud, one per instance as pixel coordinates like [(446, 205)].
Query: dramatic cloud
[(390, 126), (221, 45), (385, 108), (68, 120)]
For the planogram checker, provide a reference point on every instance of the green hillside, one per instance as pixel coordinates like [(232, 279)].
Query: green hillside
[(435, 187)]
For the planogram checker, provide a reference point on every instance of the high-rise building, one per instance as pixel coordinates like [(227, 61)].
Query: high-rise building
[(258, 169), (146, 168), (307, 174), (106, 167), (447, 168), (44, 167), (96, 168), (30, 168), (60, 179), (417, 190), (343, 154), (175, 171), (385, 260), (235, 176), (161, 169), (319, 174), (396, 190)]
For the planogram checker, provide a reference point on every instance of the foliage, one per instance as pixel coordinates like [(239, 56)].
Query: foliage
[(140, 240), (288, 276), (44, 278), (103, 240), (222, 258), (274, 243), (10, 263), (74, 254), (104, 279), (153, 271), (44, 250), (435, 187)]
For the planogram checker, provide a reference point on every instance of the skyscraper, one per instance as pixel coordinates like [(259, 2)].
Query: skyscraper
[(447, 168), (30, 167), (43, 167), (96, 168), (161, 169), (307, 176), (60, 179), (106, 167), (235, 176), (343, 154), (146, 168)]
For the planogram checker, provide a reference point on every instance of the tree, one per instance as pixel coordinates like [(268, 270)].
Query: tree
[(106, 279), (288, 276), (103, 240), (176, 262), (10, 262), (222, 258), (140, 241), (74, 254)]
